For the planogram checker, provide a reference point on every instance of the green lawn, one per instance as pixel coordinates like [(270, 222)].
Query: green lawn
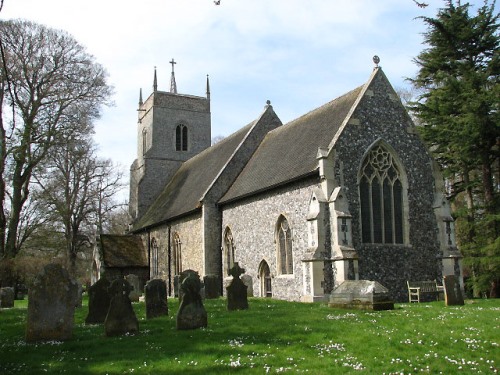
[(271, 337)]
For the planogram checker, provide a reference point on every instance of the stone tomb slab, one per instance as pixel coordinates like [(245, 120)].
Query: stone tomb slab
[(361, 295), (51, 305)]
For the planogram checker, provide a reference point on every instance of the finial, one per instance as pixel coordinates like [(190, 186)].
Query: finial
[(208, 87), (173, 84), (376, 60), (268, 102), (155, 82), (140, 97)]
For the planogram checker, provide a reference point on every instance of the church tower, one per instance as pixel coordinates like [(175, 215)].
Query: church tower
[(171, 128)]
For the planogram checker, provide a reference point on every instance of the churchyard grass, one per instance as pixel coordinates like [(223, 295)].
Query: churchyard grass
[(271, 337)]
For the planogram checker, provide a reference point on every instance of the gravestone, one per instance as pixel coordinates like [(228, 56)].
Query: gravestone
[(156, 298), (51, 305), (99, 300), (452, 292), (135, 293), (237, 290), (7, 297), (248, 281), (192, 313), (212, 286), (121, 318), (361, 295)]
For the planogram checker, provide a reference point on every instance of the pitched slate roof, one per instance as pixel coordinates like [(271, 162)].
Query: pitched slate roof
[(183, 193), (123, 251), (289, 152)]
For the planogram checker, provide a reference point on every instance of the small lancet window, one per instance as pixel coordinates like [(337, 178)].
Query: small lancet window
[(181, 138), (229, 249), (144, 141), (177, 254), (154, 258), (284, 240), (381, 198)]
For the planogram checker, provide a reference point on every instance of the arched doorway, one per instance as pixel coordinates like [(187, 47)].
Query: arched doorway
[(265, 280)]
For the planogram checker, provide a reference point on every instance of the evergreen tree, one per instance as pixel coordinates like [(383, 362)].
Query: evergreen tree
[(458, 109)]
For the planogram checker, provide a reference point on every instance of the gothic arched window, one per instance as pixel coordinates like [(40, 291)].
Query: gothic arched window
[(177, 254), (228, 249), (381, 198), (154, 258), (181, 138), (284, 240)]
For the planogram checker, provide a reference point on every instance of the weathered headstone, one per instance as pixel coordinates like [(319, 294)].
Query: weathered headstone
[(247, 280), (121, 318), (51, 305), (135, 293), (452, 292), (237, 290), (192, 313), (7, 297), (99, 300), (212, 286), (156, 298), (361, 295)]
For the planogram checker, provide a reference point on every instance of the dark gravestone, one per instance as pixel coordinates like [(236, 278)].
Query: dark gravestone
[(99, 300), (192, 313), (212, 286), (7, 297), (121, 318), (452, 292), (135, 293), (51, 305), (237, 290), (156, 298)]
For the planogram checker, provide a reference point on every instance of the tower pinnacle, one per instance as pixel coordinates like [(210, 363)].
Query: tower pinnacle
[(155, 82), (173, 85)]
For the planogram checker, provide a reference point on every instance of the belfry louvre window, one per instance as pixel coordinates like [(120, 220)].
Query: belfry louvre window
[(381, 198), (285, 257), (181, 138)]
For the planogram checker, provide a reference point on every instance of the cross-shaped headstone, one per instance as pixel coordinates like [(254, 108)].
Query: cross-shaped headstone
[(236, 271)]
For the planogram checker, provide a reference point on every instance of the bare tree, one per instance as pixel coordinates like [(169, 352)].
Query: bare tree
[(77, 188), (48, 83)]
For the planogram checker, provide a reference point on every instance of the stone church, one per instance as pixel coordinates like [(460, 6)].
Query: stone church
[(347, 191)]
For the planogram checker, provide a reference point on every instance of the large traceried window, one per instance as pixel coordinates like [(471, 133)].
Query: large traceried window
[(154, 258), (177, 254), (284, 240), (228, 249), (381, 198), (181, 138)]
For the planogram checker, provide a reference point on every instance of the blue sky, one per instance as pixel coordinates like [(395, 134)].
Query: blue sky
[(299, 54)]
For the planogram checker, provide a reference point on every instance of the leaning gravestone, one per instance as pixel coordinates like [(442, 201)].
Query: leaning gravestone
[(121, 318), (237, 290), (99, 300), (135, 293), (156, 298), (192, 313), (51, 305), (452, 292), (7, 297)]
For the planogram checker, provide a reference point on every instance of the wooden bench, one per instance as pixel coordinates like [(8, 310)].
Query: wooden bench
[(417, 288)]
